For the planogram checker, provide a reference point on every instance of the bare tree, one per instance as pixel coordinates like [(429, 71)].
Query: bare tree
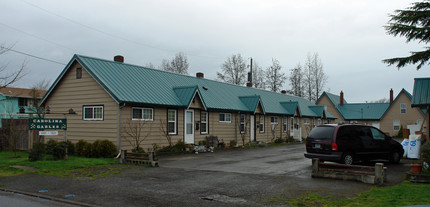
[(179, 64), (233, 70), (136, 134), (149, 65), (163, 129), (274, 77), (320, 78), (258, 76), (37, 92), (12, 77), (315, 78), (308, 78), (296, 81)]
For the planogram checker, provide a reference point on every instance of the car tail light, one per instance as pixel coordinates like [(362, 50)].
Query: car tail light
[(333, 146)]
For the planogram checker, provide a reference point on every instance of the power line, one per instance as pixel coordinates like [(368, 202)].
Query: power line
[(33, 56), (109, 34), (37, 37)]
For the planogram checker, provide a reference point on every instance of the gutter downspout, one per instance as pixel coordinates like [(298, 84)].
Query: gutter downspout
[(119, 127), (235, 128)]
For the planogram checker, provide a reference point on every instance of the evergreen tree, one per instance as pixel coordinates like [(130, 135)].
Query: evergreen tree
[(414, 24)]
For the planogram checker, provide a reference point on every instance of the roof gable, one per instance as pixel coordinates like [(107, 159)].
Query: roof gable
[(252, 103), (421, 93)]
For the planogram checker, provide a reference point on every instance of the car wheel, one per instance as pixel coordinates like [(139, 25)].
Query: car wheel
[(347, 158), (395, 157)]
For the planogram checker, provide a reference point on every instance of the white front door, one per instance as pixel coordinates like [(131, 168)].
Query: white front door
[(189, 127), (251, 128)]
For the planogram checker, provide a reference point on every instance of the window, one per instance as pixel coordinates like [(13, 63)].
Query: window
[(204, 122), (145, 114), (93, 113), (242, 123), (306, 121), (171, 121), (78, 73), (403, 108), (396, 125), (225, 117), (261, 125), (273, 120), (377, 134), (285, 124), (22, 102)]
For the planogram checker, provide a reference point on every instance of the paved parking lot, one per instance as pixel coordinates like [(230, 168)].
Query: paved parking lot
[(227, 178)]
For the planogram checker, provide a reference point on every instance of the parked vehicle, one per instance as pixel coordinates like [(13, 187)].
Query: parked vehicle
[(347, 143)]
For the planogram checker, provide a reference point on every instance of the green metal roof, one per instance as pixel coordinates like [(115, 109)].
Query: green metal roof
[(251, 102), (363, 111), (421, 94), (133, 84), (335, 99)]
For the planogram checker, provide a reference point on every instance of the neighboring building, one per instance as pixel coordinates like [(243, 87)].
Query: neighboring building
[(18, 102), (421, 100), (107, 97), (389, 117)]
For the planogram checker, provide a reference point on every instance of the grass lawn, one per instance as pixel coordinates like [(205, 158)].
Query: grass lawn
[(73, 166), (404, 194)]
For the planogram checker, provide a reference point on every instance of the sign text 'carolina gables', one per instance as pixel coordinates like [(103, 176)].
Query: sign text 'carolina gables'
[(47, 124)]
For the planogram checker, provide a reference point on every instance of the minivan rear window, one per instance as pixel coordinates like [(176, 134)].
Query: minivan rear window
[(322, 132)]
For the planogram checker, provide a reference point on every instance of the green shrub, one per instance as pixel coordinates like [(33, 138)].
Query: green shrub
[(70, 148), (79, 147), (107, 149), (202, 142), (156, 147), (50, 146), (179, 145), (37, 152), (425, 154), (59, 152), (233, 143), (86, 149), (95, 148), (279, 140)]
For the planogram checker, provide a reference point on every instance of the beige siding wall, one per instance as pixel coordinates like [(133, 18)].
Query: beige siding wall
[(393, 113), (325, 101), (72, 93)]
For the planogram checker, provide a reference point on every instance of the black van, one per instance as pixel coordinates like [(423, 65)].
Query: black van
[(347, 143)]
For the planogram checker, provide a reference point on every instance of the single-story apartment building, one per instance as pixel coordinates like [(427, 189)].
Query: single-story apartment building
[(104, 99), (389, 117)]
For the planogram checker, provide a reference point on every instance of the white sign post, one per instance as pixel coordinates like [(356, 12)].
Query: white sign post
[(48, 133)]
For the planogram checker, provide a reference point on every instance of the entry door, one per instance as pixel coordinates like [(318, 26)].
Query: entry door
[(189, 127), (251, 128)]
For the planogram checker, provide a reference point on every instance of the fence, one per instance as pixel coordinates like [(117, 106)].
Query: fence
[(15, 131)]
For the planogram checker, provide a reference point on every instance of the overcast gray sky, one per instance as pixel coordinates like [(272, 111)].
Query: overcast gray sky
[(348, 35)]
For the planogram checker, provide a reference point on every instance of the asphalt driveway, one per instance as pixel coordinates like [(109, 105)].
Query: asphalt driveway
[(226, 178)]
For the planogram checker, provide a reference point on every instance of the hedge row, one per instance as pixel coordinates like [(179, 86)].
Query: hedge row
[(100, 148)]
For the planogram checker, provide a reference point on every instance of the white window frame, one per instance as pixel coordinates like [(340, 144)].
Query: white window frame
[(306, 121), (273, 120), (285, 124), (403, 108), (262, 125), (175, 121), (225, 120), (396, 123), (206, 122), (242, 123), (143, 114), (93, 108)]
